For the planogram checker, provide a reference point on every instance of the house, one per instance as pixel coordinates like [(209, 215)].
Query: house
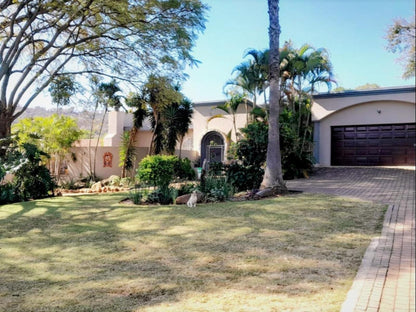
[(362, 128), (205, 140)]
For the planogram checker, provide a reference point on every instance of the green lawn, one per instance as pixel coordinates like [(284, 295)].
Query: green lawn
[(91, 253)]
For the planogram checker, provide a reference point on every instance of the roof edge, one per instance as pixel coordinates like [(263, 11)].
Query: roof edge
[(388, 90)]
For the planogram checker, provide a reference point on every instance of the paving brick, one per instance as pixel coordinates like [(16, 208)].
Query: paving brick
[(393, 261)]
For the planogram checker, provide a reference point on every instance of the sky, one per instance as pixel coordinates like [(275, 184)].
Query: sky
[(352, 31)]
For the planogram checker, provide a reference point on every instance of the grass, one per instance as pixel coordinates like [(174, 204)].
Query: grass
[(91, 253)]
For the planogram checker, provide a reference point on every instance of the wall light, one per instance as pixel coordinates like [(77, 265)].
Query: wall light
[(379, 111)]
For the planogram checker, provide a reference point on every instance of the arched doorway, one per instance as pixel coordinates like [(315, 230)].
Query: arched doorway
[(212, 147)]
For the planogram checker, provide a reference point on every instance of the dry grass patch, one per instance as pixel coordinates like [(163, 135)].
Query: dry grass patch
[(91, 253)]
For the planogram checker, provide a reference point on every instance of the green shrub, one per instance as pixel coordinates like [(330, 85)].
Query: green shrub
[(296, 150), (252, 149), (164, 196), (126, 182), (8, 194), (183, 169), (244, 178), (186, 188), (157, 170), (137, 195), (215, 188), (32, 179)]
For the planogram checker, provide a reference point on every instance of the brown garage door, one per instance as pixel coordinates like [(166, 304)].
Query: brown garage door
[(373, 145)]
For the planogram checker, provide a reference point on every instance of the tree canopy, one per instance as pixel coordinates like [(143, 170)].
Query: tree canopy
[(127, 39), (401, 37)]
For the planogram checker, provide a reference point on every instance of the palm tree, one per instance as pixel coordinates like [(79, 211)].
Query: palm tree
[(127, 154), (230, 107), (161, 97), (252, 75), (302, 71), (184, 120), (273, 176)]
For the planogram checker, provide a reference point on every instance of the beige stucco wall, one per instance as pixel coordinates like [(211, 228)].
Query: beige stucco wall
[(323, 107), (80, 168), (201, 126), (361, 114)]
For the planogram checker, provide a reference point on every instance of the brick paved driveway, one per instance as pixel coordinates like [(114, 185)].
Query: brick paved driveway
[(386, 278)]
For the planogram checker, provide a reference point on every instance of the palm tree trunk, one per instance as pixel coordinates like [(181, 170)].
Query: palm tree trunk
[(180, 146), (235, 127), (273, 176), (132, 139)]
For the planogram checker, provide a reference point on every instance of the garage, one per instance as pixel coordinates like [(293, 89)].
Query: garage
[(373, 145), (365, 127)]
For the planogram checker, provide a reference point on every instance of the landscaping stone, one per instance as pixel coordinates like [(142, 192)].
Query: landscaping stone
[(96, 187), (109, 180), (182, 200)]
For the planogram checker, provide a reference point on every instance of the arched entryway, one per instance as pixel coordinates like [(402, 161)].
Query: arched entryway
[(212, 147)]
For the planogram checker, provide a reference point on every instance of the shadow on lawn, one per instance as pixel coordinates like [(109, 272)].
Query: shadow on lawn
[(84, 254)]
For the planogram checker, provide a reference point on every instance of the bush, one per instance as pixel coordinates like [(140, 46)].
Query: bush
[(8, 194), (244, 178), (32, 179), (137, 195), (252, 149), (186, 188), (157, 170), (296, 151), (215, 188), (164, 196), (184, 170)]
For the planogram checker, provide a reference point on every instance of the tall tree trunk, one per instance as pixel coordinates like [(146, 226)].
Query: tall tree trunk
[(132, 140), (5, 125), (273, 176), (180, 146)]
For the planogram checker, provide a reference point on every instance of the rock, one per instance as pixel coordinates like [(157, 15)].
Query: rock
[(96, 186), (182, 200), (110, 180)]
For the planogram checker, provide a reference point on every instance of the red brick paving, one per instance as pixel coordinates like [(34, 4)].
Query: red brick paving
[(386, 278)]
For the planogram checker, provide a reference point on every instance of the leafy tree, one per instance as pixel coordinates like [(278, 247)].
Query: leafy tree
[(61, 89), (368, 86), (54, 136), (273, 176), (41, 40), (401, 37)]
